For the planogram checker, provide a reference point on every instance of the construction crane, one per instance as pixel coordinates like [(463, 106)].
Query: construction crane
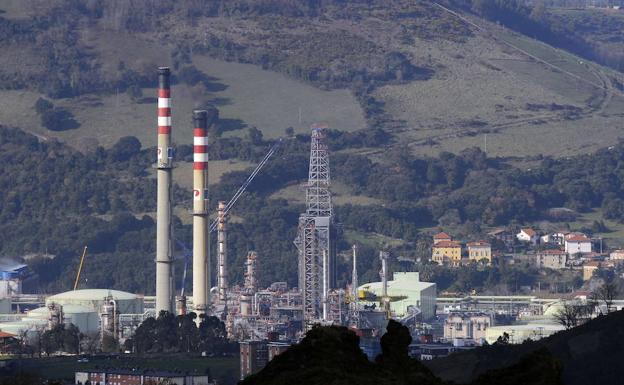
[(84, 253), (243, 187), (185, 250), (187, 254)]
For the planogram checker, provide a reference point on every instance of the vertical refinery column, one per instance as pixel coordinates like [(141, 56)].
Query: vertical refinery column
[(222, 253), (164, 276), (201, 265)]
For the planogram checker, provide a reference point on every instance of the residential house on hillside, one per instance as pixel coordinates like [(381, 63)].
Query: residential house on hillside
[(441, 237), (617, 256), (589, 268), (478, 251), (551, 259), (446, 252), (578, 244), (528, 235), (503, 235), (555, 238)]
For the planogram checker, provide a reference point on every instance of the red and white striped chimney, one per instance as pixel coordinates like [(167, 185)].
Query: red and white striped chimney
[(201, 232), (164, 260)]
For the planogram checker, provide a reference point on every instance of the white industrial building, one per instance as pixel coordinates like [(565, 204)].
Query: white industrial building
[(83, 308), (405, 290)]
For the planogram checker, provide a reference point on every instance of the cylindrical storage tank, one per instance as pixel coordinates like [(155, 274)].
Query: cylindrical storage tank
[(127, 303), (84, 318)]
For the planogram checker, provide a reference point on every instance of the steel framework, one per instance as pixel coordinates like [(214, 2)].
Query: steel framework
[(313, 237)]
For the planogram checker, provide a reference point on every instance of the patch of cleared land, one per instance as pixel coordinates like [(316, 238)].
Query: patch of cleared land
[(341, 195), (268, 100), (614, 237), (371, 239), (486, 87)]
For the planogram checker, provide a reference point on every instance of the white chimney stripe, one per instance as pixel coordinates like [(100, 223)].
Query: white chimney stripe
[(164, 120), (200, 140), (164, 102), (198, 157)]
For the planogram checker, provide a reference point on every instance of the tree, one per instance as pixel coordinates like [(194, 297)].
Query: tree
[(503, 340), (606, 294), (42, 105), (254, 135), (573, 314), (109, 344), (125, 148)]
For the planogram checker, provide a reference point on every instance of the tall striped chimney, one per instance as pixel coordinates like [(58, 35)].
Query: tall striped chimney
[(201, 256), (164, 260)]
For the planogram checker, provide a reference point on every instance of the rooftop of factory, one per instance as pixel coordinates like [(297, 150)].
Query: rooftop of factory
[(400, 281), (92, 294)]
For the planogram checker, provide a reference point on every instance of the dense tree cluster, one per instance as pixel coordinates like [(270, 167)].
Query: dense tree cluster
[(54, 118), (57, 200), (169, 333), (63, 338)]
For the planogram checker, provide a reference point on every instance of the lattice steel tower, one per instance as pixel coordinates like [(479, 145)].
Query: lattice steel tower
[(314, 237)]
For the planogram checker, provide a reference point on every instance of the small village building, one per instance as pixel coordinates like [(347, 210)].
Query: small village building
[(617, 256), (441, 237), (528, 235), (505, 236), (478, 251), (589, 268), (446, 253), (578, 244), (551, 259), (469, 326)]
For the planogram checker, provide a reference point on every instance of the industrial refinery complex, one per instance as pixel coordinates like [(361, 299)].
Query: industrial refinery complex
[(265, 321)]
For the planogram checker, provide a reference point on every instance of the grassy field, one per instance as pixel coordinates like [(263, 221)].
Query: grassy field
[(485, 87), (224, 369), (267, 100), (341, 195), (614, 237), (371, 239)]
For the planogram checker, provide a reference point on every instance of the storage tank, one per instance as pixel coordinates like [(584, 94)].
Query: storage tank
[(127, 303)]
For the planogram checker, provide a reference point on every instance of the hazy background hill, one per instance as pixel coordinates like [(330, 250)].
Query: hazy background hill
[(407, 85)]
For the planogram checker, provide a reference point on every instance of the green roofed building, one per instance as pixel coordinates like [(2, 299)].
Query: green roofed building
[(404, 290)]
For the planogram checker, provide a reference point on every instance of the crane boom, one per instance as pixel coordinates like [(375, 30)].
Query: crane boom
[(243, 187), (84, 253)]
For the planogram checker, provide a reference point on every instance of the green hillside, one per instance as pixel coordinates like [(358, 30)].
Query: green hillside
[(441, 117)]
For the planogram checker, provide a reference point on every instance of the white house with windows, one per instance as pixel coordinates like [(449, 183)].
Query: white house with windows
[(528, 235), (578, 244)]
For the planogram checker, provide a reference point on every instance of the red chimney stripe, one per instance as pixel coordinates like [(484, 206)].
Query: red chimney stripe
[(164, 130), (200, 166), (200, 149), (164, 93), (164, 112), (199, 132)]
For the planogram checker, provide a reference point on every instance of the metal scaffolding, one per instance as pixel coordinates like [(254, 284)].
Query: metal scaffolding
[(313, 237)]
